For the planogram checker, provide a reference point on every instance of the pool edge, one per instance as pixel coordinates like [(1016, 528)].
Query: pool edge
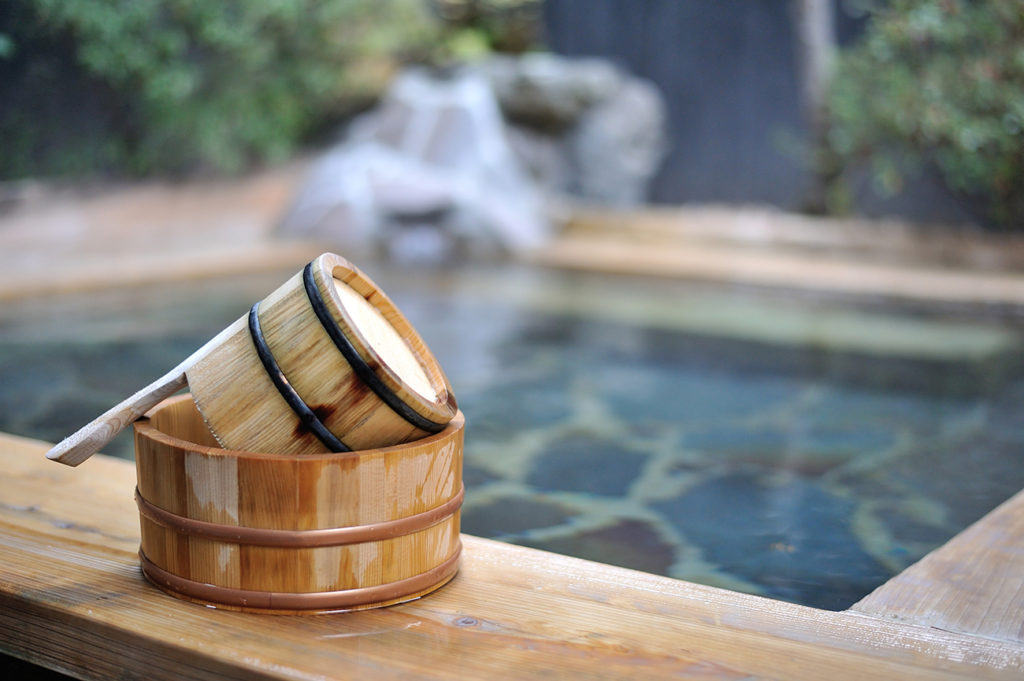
[(525, 610)]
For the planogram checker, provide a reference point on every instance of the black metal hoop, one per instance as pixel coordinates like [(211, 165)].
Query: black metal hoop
[(359, 366), (301, 409)]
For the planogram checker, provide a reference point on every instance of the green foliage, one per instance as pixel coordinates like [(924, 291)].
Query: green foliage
[(144, 86), (474, 28), (937, 81)]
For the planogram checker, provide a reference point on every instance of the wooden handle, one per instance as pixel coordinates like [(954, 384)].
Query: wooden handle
[(80, 445)]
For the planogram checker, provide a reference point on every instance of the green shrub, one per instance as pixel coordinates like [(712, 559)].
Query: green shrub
[(479, 27), (941, 82), (144, 86)]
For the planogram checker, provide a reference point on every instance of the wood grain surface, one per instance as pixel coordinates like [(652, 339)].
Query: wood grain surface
[(245, 410), (720, 263), (97, 434), (305, 498), (72, 598), (974, 583)]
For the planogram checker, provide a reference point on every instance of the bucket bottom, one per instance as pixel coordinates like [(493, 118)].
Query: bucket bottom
[(283, 603)]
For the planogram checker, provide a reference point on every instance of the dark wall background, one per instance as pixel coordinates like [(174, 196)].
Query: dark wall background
[(728, 73)]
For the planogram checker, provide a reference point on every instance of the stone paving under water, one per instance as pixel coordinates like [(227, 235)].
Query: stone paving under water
[(766, 463)]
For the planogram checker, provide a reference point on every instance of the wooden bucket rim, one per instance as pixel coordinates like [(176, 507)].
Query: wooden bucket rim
[(145, 428), (328, 266)]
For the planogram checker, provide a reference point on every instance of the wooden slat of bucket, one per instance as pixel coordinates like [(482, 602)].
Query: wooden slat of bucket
[(245, 410), (329, 568), (187, 478), (318, 372), (240, 402), (281, 492)]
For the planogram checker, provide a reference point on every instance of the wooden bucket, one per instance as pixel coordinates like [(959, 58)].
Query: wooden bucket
[(324, 363), (284, 533)]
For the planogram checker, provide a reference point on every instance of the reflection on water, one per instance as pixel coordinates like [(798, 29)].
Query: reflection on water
[(784, 447)]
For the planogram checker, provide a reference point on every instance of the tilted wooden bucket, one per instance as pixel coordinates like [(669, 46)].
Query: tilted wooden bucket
[(285, 533), (324, 363)]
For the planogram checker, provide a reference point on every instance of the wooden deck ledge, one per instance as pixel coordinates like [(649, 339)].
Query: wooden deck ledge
[(72, 598)]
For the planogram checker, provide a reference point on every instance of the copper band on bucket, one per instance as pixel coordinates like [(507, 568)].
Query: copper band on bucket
[(321, 600), (333, 536)]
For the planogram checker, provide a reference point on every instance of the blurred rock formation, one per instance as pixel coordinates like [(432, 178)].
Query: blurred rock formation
[(584, 128), (474, 161)]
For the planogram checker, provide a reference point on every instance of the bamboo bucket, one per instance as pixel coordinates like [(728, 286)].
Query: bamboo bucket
[(324, 363), (270, 532)]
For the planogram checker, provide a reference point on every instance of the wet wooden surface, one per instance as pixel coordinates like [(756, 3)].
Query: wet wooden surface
[(84, 238), (755, 247), (974, 583), (72, 598)]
